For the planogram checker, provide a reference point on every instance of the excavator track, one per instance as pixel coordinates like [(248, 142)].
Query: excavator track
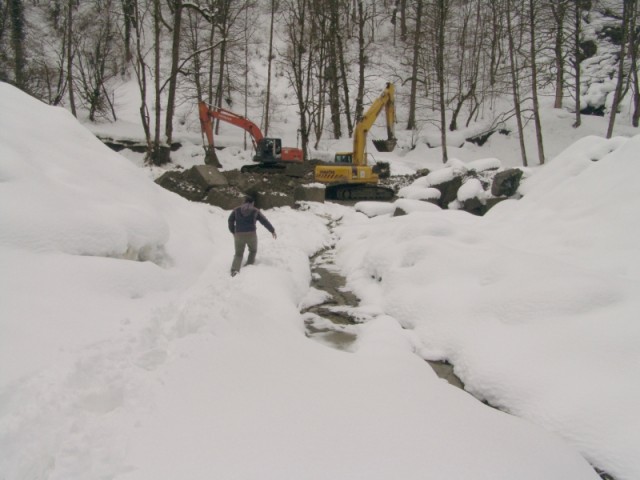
[(359, 193)]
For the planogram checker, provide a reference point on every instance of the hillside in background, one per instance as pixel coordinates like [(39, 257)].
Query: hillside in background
[(307, 70)]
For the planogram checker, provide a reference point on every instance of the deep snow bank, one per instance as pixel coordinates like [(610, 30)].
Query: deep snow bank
[(536, 303), (113, 368)]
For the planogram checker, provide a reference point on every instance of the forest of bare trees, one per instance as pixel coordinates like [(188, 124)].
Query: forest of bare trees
[(452, 60)]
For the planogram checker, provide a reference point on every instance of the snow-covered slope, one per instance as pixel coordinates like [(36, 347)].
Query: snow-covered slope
[(129, 352)]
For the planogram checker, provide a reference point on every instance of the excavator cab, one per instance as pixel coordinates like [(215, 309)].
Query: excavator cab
[(268, 150), (344, 157)]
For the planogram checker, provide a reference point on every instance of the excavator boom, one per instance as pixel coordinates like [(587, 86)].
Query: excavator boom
[(270, 154), (387, 101), (208, 112)]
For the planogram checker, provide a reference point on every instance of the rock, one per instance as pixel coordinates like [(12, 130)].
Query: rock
[(399, 212), (448, 191), (226, 198), (481, 138), (270, 199), (506, 183), (309, 194), (474, 205), (174, 182), (492, 202), (205, 176)]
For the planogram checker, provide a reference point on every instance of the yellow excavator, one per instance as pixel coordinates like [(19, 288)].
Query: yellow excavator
[(349, 177)]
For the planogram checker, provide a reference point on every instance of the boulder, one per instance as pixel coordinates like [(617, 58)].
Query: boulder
[(205, 176), (492, 202), (271, 199), (175, 182), (474, 205), (226, 198), (506, 183), (448, 191)]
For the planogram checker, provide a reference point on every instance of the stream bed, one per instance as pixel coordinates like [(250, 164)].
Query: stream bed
[(333, 321)]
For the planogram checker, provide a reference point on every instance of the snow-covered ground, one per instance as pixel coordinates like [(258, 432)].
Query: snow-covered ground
[(128, 352)]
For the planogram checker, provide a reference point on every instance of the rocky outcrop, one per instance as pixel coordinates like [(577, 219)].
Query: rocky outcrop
[(207, 184), (175, 182)]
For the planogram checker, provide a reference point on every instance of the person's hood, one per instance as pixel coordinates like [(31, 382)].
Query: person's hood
[(246, 209)]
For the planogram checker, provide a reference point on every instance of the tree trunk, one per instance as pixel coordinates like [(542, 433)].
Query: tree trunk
[(534, 80), (411, 122), (345, 83), (441, 16), (70, 52), (18, 35), (333, 78), (140, 68), (403, 20), (559, 12), (577, 61), (514, 83), (362, 59), (173, 79), (627, 7), (220, 86), (633, 43), (267, 105), (127, 13), (157, 155)]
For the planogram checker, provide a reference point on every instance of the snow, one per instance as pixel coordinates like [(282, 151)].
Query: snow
[(128, 352)]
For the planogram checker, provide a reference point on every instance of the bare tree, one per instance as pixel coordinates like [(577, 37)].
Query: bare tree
[(70, 55), (298, 60), (176, 6), (95, 60), (468, 59), (628, 7), (513, 61), (159, 153), (18, 35), (267, 106), (634, 46), (362, 58), (577, 59), (441, 13), (534, 79), (4, 14), (140, 68), (417, 42)]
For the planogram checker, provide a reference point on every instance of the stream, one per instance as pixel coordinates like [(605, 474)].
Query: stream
[(333, 321)]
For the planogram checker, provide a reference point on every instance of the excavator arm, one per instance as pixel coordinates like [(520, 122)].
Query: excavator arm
[(209, 112), (387, 101)]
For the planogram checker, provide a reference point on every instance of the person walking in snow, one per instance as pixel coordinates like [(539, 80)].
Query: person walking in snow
[(242, 224)]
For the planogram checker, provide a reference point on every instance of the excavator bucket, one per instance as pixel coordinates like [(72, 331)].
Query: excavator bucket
[(385, 145)]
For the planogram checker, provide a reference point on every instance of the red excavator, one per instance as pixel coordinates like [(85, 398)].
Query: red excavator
[(270, 156)]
